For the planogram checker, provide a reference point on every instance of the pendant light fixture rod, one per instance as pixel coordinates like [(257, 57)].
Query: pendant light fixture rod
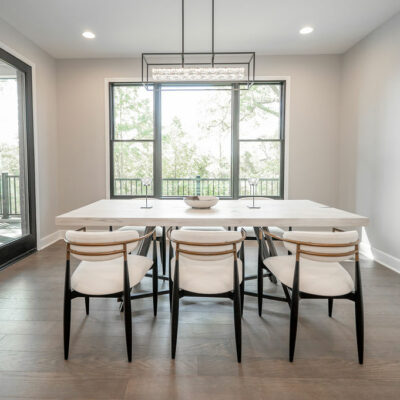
[(212, 35), (198, 67), (183, 33)]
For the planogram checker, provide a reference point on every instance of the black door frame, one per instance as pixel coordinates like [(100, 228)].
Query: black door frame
[(27, 243)]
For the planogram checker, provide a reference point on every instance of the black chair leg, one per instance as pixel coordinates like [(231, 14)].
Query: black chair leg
[(242, 259), (330, 307), (163, 251), (287, 295), (175, 317), (359, 310), (171, 285), (260, 289), (294, 310), (238, 325), (128, 323), (171, 289), (241, 298), (155, 289), (67, 323), (87, 304)]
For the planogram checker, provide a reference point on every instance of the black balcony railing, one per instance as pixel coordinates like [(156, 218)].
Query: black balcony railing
[(176, 187), (9, 195), (171, 187)]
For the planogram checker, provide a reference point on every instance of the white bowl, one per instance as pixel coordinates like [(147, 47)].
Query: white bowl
[(201, 201)]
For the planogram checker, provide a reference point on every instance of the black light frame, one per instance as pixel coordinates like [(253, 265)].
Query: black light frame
[(248, 61)]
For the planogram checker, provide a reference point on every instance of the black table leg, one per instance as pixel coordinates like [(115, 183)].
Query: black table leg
[(266, 251), (145, 243)]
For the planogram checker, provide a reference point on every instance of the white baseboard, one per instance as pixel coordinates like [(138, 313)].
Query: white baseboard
[(50, 239), (54, 237), (380, 257), (387, 260)]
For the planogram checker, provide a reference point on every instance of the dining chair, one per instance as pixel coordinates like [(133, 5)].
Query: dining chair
[(206, 264), (107, 269), (314, 272), (161, 238)]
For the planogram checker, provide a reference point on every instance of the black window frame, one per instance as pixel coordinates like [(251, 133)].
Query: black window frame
[(235, 139)]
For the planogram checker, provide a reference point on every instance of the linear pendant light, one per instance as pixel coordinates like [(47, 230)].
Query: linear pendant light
[(174, 70)]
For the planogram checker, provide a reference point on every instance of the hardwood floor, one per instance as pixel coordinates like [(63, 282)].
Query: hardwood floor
[(325, 366)]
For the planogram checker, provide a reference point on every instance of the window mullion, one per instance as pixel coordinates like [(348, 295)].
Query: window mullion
[(111, 137), (157, 156), (282, 137), (235, 139)]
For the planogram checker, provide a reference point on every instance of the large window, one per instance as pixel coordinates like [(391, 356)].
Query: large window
[(204, 141)]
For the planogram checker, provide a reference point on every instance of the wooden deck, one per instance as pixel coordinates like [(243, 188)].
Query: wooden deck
[(10, 229)]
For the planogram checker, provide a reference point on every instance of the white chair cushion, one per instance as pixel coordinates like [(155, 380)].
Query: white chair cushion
[(204, 228), (106, 277), (140, 230), (322, 237), (82, 237), (316, 277), (206, 277), (206, 237)]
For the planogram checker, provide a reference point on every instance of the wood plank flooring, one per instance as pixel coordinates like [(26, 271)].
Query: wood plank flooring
[(325, 366)]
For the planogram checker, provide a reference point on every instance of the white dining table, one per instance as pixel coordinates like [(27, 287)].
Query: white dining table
[(165, 212)]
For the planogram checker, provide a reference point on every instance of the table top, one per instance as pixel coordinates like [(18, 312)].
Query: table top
[(295, 213)]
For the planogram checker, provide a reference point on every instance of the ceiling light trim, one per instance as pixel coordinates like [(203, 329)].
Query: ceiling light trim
[(88, 35), (306, 30)]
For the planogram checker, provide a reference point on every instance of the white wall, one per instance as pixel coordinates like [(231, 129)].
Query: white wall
[(314, 102), (82, 126), (370, 137), (343, 129), (44, 71)]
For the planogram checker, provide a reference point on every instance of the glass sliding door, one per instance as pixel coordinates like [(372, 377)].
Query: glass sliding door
[(17, 185)]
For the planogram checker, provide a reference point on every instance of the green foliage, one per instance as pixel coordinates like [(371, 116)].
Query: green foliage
[(133, 113), (9, 159)]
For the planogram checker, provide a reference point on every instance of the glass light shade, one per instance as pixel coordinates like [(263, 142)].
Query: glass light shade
[(146, 181), (253, 181), (198, 74)]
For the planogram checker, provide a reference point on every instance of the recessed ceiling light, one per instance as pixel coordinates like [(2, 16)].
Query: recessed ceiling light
[(306, 30), (88, 35)]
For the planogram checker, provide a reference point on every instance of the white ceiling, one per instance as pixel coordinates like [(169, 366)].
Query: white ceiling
[(126, 28)]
